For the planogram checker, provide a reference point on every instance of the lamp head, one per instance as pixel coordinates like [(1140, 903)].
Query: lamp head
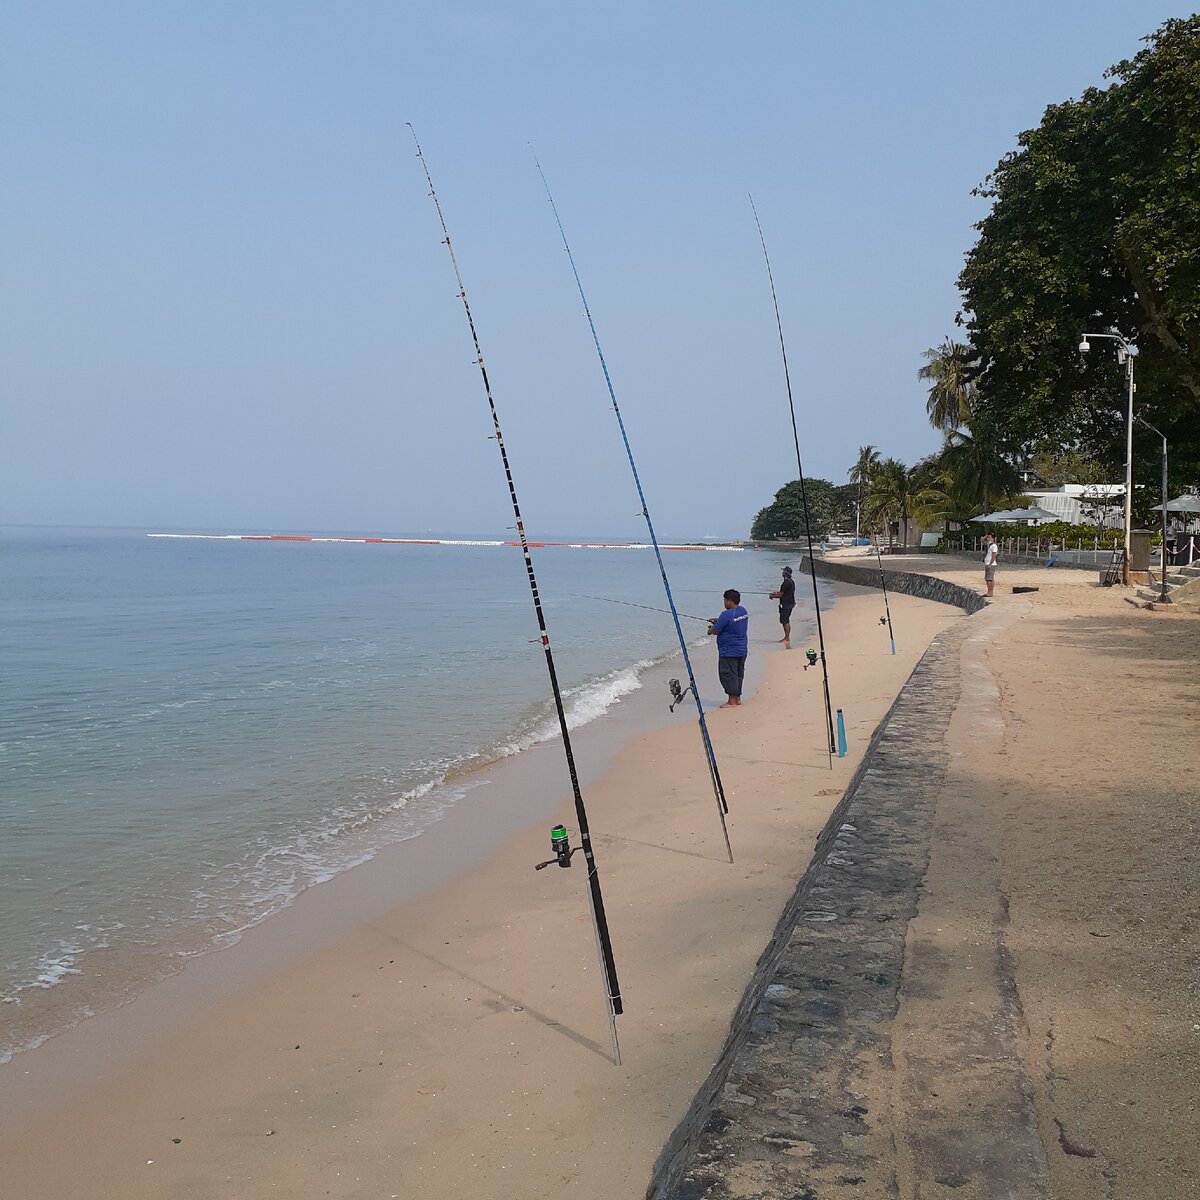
[(1084, 346)]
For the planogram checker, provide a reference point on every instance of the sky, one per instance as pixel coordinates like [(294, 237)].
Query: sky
[(224, 302)]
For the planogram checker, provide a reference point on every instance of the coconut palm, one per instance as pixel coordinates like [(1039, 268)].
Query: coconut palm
[(952, 392), (931, 498), (978, 475), (888, 496), (860, 474)]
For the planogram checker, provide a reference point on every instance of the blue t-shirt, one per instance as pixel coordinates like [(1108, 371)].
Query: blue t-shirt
[(730, 628)]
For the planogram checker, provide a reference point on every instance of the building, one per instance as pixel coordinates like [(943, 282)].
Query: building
[(1092, 504)]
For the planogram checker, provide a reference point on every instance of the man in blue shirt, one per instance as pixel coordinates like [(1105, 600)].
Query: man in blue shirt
[(730, 630)]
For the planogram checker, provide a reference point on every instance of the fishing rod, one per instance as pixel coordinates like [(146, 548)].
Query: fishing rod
[(887, 619), (647, 607), (558, 835), (709, 752), (812, 568)]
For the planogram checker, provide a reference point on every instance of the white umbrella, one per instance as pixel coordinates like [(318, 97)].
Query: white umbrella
[(1184, 503), (1019, 514)]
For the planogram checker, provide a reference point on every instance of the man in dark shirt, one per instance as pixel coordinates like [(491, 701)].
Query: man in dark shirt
[(730, 631), (787, 601)]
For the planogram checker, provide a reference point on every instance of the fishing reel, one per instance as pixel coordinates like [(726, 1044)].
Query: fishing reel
[(677, 693), (883, 620), (560, 844), (811, 655)]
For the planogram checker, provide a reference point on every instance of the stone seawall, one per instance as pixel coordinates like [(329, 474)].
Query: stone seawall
[(779, 1107), (907, 583)]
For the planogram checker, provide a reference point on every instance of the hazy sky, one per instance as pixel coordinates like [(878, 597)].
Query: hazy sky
[(224, 303)]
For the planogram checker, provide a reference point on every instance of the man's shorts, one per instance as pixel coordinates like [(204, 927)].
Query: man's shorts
[(785, 613), (989, 573), (731, 671)]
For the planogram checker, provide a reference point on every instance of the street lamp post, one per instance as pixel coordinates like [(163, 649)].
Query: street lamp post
[(1162, 591), (1125, 354)]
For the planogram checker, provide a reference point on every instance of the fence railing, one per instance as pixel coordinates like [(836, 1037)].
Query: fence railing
[(1080, 551)]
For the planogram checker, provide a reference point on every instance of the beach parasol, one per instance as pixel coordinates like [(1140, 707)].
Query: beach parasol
[(1019, 514), (1185, 503), (1034, 513)]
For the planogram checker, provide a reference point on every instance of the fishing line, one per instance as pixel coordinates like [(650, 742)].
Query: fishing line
[(710, 754), (812, 568), (883, 584), (595, 898), (647, 607)]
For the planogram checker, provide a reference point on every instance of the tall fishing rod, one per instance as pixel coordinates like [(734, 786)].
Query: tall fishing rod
[(883, 584), (612, 989), (812, 566), (709, 752)]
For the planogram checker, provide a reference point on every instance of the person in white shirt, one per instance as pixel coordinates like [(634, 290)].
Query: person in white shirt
[(991, 552)]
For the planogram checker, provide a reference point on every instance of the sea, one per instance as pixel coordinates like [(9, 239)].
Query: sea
[(193, 732)]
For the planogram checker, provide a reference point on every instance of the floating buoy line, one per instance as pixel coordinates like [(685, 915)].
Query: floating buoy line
[(386, 541)]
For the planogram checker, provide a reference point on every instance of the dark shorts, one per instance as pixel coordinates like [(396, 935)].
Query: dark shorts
[(785, 613), (731, 671)]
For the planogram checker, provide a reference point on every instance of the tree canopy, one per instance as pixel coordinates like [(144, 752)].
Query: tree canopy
[(1095, 227), (829, 508)]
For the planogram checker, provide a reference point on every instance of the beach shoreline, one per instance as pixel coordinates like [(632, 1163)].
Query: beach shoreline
[(476, 1005), (470, 810)]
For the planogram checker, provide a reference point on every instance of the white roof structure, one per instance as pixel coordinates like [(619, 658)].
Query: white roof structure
[(1083, 503)]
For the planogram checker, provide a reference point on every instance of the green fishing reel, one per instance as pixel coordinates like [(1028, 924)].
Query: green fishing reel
[(811, 655), (560, 844)]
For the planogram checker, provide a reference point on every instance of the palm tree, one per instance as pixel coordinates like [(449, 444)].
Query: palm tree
[(978, 475), (931, 499), (860, 474), (888, 496), (949, 369)]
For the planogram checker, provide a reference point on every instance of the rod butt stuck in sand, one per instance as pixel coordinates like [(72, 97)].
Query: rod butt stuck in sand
[(887, 611), (604, 949), (812, 567)]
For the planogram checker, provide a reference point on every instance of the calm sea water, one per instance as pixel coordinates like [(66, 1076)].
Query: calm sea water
[(193, 732)]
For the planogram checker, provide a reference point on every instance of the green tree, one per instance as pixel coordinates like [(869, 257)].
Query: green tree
[(829, 508), (977, 475), (860, 477), (931, 493), (1053, 465), (887, 502), (950, 371), (1094, 226)]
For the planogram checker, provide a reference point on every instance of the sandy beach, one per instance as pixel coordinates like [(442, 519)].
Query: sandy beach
[(373, 1042)]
